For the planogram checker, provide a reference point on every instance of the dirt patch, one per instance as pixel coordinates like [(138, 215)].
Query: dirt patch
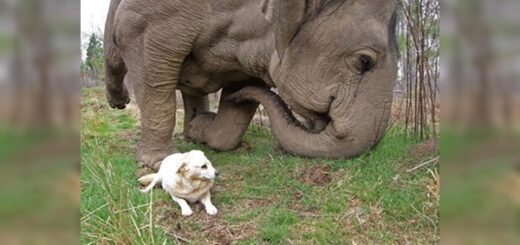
[(340, 175), (297, 196), (247, 204), (218, 188), (243, 231), (423, 150), (220, 232), (252, 203), (175, 225), (303, 211), (230, 180), (316, 175), (364, 217), (201, 228)]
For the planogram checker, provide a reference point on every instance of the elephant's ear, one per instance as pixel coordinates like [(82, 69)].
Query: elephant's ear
[(286, 17)]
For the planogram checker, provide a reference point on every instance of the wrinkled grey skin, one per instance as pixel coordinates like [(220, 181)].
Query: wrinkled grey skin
[(332, 61)]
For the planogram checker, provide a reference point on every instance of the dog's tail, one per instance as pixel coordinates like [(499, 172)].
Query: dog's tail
[(151, 180), (146, 179)]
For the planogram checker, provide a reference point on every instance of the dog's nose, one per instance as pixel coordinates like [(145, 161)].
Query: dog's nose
[(217, 172)]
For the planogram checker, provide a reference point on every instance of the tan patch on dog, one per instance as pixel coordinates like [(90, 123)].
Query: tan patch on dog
[(179, 186), (198, 181), (182, 170), (199, 184)]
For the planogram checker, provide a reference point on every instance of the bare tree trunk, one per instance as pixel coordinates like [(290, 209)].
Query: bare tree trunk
[(29, 20), (458, 77), (16, 69), (482, 63), (43, 63), (408, 84), (420, 16)]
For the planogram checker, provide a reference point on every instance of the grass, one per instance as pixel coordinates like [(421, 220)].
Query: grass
[(5, 43), (480, 187), (263, 195), (40, 184)]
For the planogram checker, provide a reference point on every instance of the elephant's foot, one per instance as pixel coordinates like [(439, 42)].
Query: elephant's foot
[(118, 99), (151, 157)]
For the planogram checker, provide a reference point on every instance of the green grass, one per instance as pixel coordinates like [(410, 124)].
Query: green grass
[(5, 43), (263, 195), (480, 185)]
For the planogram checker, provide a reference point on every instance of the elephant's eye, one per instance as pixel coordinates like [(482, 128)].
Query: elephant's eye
[(362, 61), (365, 63)]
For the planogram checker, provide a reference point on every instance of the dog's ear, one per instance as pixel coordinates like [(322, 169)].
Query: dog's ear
[(182, 169), (184, 164)]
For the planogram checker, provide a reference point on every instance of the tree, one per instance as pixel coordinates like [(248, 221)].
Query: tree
[(419, 35), (94, 59)]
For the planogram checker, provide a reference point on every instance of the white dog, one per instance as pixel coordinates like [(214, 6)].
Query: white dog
[(186, 177)]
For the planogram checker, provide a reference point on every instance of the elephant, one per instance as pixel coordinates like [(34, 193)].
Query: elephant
[(332, 62)]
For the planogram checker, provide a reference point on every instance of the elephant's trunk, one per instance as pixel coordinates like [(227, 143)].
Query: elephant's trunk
[(345, 136)]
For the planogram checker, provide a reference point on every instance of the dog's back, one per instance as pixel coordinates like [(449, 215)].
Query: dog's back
[(171, 164)]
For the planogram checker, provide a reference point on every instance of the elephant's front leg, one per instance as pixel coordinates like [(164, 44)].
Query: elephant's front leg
[(223, 130), (157, 106)]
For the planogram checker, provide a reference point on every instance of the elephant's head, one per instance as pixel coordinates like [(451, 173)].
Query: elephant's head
[(334, 63)]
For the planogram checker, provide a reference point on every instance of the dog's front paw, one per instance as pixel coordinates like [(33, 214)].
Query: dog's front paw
[(186, 212), (211, 210)]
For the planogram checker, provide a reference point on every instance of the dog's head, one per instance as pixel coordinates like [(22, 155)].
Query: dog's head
[(195, 165)]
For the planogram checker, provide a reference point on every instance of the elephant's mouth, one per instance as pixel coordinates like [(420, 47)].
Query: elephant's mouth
[(312, 120), (317, 121), (307, 122)]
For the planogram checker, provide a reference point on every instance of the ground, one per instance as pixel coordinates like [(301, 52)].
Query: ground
[(263, 195)]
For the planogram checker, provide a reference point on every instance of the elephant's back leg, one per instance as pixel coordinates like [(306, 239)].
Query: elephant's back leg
[(193, 105), (222, 130), (230, 123)]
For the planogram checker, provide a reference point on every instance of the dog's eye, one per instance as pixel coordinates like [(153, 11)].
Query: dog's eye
[(204, 166)]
